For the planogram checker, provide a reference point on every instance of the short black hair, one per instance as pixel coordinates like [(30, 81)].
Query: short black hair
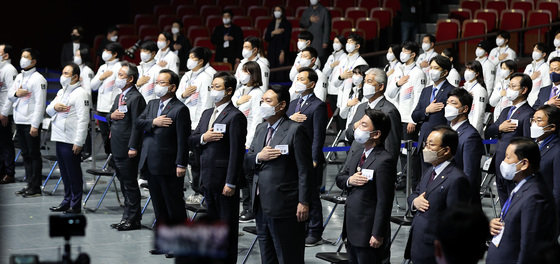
[(229, 80), (449, 137), (356, 38), (178, 21), (526, 81), (541, 46), (311, 74), (526, 148), (112, 28), (282, 94), (452, 53), (115, 47), (412, 46), (168, 36), (174, 78), (132, 70), (84, 54), (485, 45), (477, 68), (149, 45), (380, 122), (312, 51), (33, 52), (443, 62), (8, 49), (504, 34), (462, 231), (201, 53), (465, 98), (305, 35), (228, 11), (80, 30), (511, 64), (342, 40), (75, 68), (553, 114), (396, 48), (255, 42), (557, 59), (431, 37)]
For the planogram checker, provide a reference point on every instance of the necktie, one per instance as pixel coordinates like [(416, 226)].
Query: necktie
[(510, 112), (160, 109), (213, 118), (362, 160), (434, 91), (432, 177), (554, 92), (269, 135), (120, 99), (299, 102)]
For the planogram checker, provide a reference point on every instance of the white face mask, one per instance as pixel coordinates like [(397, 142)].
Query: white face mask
[(430, 155), (369, 90), (78, 60), (336, 46), (64, 81), (145, 56), (226, 21), (244, 78), (556, 42), (304, 62), (357, 79), (426, 46), (217, 95), (508, 170), (246, 53), (161, 44), (301, 45), (469, 75), (512, 94), (480, 52), (350, 47), (114, 38), (277, 14), (299, 87), (313, 2), (191, 64), (536, 55), (120, 83), (537, 131), (24, 63), (175, 30), (390, 57), (361, 136), (405, 57), (106, 56), (266, 110), (504, 73), (500, 42), (161, 91), (451, 112), (435, 75)]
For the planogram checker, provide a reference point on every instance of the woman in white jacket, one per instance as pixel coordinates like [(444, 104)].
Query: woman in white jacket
[(70, 117), (498, 98), (454, 78), (474, 84), (352, 95), (538, 69), (247, 98)]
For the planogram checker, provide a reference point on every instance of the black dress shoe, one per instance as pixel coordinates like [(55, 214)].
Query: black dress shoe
[(128, 225), (31, 193), (156, 252), (75, 210), (169, 255), (118, 224), (7, 179), (60, 208), (22, 191)]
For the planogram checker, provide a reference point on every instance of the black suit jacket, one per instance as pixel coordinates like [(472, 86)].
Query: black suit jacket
[(529, 223), (523, 115), (393, 140), (468, 156), (550, 169), (544, 95), (221, 161), (67, 53), (428, 122), (165, 148), (315, 124), (285, 181), (124, 133), (368, 207), (449, 188)]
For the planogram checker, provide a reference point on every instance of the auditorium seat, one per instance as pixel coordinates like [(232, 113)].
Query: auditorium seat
[(294, 21), (335, 11), (221, 66), (237, 10), (300, 10), (525, 5), (257, 11), (191, 20), (356, 12), (200, 3), (165, 20), (447, 29), (370, 27), (531, 37), (512, 19), (213, 21), (272, 3), (128, 41), (198, 31), (163, 10), (147, 30), (472, 5), (385, 16), (144, 19), (395, 6), (344, 4), (488, 15), (471, 27), (261, 23), (550, 5), (249, 2), (340, 23), (251, 31), (126, 29), (184, 10), (292, 5), (226, 2), (177, 3), (203, 42), (208, 10), (242, 21), (498, 5), (347, 31), (460, 14), (369, 4)]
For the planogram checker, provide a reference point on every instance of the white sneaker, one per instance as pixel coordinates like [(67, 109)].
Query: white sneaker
[(142, 183), (194, 199)]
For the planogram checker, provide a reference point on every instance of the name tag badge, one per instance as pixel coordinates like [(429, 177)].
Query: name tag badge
[(284, 149), (497, 238), (221, 128), (368, 174), (515, 121), (123, 109)]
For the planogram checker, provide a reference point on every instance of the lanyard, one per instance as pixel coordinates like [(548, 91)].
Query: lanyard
[(546, 141)]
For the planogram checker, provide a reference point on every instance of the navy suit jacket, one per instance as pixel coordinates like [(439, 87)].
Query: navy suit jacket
[(528, 223), (523, 115), (315, 125), (544, 95), (221, 161), (429, 121), (550, 169), (124, 133), (468, 156), (447, 189), (368, 207), (165, 148)]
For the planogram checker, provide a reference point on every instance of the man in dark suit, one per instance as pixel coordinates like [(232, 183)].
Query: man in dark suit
[(375, 83), (220, 140), (441, 187), (166, 126), (429, 111), (69, 49), (470, 148), (311, 112), (280, 155), (513, 121), (369, 179), (126, 142), (527, 220), (550, 94)]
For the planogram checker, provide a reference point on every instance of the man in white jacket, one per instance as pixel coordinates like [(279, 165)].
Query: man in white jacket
[(70, 118), (28, 94), (8, 74), (309, 59), (148, 70)]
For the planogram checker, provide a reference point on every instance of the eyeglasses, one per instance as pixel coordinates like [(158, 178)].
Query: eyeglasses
[(537, 120), (162, 82)]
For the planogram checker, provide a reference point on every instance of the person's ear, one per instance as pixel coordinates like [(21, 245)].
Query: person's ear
[(525, 164), (282, 105), (553, 127), (376, 134)]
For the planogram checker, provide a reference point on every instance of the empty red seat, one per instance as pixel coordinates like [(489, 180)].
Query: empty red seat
[(525, 5), (261, 23), (460, 14), (340, 23), (472, 5), (226, 2), (393, 5), (356, 12), (294, 21), (198, 31), (257, 11), (237, 10), (300, 10), (385, 16), (192, 20), (184, 10), (370, 4), (128, 41), (177, 3), (447, 29), (249, 2), (498, 5), (471, 27), (550, 5), (512, 19), (335, 11), (203, 42), (148, 30), (213, 21), (144, 19), (327, 2), (243, 21), (208, 10), (536, 17), (370, 27), (200, 3), (251, 31), (126, 29), (163, 10), (488, 15), (166, 20), (273, 3)]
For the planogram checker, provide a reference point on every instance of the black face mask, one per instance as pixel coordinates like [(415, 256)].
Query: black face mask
[(74, 37)]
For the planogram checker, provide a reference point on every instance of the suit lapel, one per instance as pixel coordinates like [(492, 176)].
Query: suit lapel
[(380, 104), (168, 107), (307, 103), (441, 92), (260, 137), (371, 158), (442, 177), (223, 114), (549, 146), (281, 132)]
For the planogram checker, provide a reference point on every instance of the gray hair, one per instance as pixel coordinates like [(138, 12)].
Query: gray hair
[(132, 70), (380, 76)]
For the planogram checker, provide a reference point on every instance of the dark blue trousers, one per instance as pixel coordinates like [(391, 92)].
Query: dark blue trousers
[(71, 172)]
